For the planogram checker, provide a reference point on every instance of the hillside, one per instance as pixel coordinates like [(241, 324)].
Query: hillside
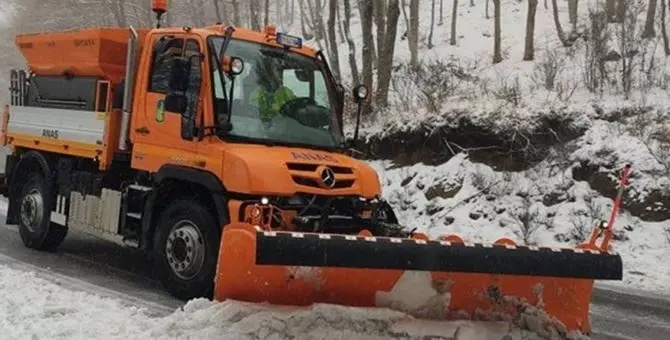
[(489, 151)]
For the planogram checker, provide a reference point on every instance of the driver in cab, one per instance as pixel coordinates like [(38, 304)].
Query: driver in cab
[(269, 94)]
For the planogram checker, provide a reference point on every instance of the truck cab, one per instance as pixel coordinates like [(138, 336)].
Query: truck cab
[(195, 129)]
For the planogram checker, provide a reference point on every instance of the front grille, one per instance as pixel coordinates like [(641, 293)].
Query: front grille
[(313, 167), (307, 174)]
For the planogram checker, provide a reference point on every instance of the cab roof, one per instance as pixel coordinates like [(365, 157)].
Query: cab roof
[(268, 36)]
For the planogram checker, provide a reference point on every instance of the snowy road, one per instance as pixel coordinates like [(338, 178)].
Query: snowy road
[(86, 264)]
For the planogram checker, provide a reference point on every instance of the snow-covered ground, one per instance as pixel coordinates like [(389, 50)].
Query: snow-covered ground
[(512, 96), (481, 204), (37, 308)]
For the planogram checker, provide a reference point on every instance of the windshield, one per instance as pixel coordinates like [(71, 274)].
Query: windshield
[(280, 96)]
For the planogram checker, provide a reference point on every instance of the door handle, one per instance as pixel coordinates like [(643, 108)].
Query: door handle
[(143, 130)]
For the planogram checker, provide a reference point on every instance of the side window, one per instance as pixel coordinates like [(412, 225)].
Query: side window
[(160, 67)]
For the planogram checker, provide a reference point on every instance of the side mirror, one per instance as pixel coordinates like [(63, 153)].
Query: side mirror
[(180, 72), (360, 93), (233, 66)]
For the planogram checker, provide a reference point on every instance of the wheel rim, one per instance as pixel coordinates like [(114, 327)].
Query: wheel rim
[(32, 210), (185, 250)]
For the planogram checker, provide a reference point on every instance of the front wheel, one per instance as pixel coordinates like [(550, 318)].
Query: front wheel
[(186, 249)]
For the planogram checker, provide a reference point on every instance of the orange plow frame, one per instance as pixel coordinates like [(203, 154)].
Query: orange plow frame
[(435, 279)]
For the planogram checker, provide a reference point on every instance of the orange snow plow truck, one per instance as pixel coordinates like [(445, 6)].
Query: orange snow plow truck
[(220, 152)]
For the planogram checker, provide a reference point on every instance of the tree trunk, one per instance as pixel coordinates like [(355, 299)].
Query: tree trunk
[(217, 9), (388, 46), (610, 7), (253, 15), (413, 33), (236, 13), (266, 10), (621, 10), (366, 9), (454, 15), (557, 22), (529, 51), (441, 14), (332, 38), (350, 42), (573, 11), (649, 31), (338, 19), (432, 24), (487, 10), (497, 53), (380, 22), (317, 19), (664, 30)]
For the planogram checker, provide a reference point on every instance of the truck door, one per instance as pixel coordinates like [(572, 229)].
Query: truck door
[(161, 136)]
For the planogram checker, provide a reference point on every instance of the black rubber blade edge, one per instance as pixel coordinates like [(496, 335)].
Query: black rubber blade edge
[(327, 250)]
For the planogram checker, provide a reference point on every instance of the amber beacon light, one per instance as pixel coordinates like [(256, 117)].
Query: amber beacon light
[(159, 6)]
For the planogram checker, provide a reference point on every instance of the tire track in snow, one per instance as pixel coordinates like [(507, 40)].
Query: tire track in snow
[(72, 283)]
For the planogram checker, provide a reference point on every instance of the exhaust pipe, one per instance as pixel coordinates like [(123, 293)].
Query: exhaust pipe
[(128, 89)]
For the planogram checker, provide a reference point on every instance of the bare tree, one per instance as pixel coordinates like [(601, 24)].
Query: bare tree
[(379, 8), (649, 31), (236, 13), (334, 55), (350, 42), (557, 23), (217, 10), (366, 9), (254, 21), (610, 6), (487, 10), (386, 58), (266, 12), (664, 30), (362, 8), (432, 24), (621, 8), (454, 15), (413, 32), (529, 49), (441, 14), (573, 11), (497, 53)]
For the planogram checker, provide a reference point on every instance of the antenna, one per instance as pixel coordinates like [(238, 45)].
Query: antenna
[(159, 7)]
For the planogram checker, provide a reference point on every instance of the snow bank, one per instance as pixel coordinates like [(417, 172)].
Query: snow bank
[(541, 206), (32, 308)]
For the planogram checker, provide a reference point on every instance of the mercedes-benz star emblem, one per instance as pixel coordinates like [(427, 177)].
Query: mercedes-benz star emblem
[(328, 177)]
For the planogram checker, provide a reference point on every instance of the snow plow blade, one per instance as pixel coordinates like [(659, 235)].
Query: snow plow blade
[(425, 278)]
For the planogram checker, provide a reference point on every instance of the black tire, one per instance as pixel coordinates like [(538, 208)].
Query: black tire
[(35, 227), (199, 229)]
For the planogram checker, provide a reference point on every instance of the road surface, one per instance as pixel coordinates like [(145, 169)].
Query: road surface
[(104, 268)]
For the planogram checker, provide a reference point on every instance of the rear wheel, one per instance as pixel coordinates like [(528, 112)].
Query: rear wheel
[(35, 226), (186, 247)]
